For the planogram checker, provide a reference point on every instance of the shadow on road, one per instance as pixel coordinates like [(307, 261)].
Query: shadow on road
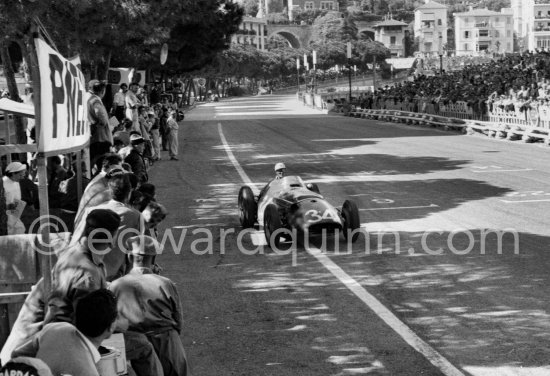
[(486, 309)]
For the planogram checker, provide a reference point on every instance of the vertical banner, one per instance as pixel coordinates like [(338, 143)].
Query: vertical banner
[(63, 102)]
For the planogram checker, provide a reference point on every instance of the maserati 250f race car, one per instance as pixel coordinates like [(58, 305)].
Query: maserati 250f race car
[(290, 203)]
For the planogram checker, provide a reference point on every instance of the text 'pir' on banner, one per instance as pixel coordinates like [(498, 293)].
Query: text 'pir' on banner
[(63, 102)]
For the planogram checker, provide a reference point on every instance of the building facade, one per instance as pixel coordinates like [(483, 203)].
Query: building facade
[(391, 33), (300, 5), (481, 30), (532, 23), (430, 27), (252, 31)]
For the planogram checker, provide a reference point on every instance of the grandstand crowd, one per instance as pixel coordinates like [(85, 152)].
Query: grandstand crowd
[(514, 82)]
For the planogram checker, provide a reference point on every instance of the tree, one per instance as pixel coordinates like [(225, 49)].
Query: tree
[(333, 26), (250, 7), (275, 6)]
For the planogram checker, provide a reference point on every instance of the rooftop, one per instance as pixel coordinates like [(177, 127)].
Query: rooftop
[(432, 5), (390, 23)]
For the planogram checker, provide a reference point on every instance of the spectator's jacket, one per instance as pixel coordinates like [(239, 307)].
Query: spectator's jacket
[(97, 192), (136, 161), (148, 301), (98, 120)]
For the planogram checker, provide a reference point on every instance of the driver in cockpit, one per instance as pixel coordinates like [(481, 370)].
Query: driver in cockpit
[(280, 169)]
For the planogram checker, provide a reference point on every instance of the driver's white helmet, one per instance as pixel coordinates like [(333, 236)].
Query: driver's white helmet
[(279, 166)]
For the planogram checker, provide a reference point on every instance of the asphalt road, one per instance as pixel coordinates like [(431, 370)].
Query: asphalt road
[(429, 291)]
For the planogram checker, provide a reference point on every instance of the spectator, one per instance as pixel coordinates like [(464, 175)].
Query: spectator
[(97, 191), (172, 128), (74, 349), (161, 320), (101, 137), (135, 158), (124, 131), (132, 104), (131, 224), (155, 135), (119, 102), (78, 271)]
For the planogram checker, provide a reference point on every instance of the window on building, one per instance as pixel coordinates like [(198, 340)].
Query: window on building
[(508, 33), (483, 33), (465, 47), (509, 20), (466, 34), (439, 22), (509, 46), (309, 5), (497, 19), (328, 5), (392, 40), (466, 20), (497, 34)]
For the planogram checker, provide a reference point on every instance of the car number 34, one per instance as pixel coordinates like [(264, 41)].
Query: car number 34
[(316, 216)]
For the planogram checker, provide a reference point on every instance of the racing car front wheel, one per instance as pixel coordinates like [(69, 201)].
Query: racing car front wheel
[(272, 222), (351, 220), (247, 207)]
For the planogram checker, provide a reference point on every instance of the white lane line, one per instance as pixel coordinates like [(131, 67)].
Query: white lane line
[(518, 202), (386, 315), (403, 207), (519, 170), (233, 160), (374, 304)]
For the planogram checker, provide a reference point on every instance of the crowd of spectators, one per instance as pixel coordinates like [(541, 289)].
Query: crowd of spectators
[(113, 236), (514, 82)]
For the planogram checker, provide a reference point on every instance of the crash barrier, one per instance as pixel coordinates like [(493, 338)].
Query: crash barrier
[(19, 270), (459, 109), (520, 114), (412, 118), (525, 133)]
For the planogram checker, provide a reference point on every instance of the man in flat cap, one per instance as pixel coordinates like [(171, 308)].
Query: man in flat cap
[(135, 158), (98, 118), (78, 271), (152, 306)]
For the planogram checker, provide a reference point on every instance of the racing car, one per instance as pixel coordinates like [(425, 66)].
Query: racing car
[(289, 203)]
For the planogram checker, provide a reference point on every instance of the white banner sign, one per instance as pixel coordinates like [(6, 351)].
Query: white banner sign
[(63, 109)]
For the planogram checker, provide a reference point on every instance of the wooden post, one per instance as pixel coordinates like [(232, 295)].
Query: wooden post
[(45, 257), (79, 175), (374, 72)]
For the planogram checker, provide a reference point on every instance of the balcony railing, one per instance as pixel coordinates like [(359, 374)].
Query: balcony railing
[(542, 2), (542, 17), (482, 24)]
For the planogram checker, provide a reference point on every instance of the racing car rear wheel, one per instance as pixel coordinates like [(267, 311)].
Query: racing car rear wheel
[(272, 222), (247, 207), (351, 220)]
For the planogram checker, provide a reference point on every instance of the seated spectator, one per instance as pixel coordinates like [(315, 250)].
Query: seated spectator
[(123, 133), (73, 349), (128, 148), (97, 191)]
